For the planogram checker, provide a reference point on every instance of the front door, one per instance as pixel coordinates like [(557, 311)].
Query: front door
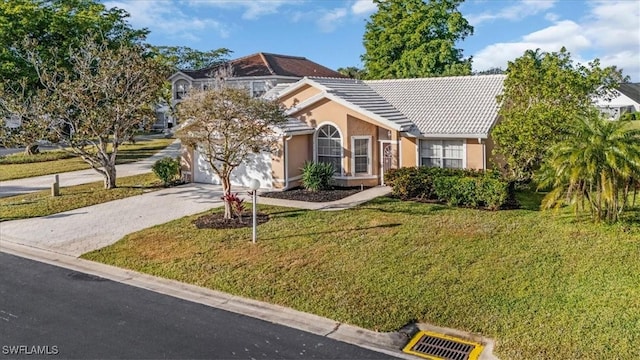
[(386, 149)]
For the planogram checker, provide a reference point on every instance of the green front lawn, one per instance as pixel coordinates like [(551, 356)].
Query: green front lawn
[(543, 285), (41, 203), (19, 166)]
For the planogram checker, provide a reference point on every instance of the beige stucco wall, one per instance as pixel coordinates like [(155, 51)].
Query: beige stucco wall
[(300, 149), (349, 123), (408, 147), (475, 156), (299, 95)]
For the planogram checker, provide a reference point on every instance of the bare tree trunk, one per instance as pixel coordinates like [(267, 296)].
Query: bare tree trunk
[(226, 189), (31, 149), (110, 176)]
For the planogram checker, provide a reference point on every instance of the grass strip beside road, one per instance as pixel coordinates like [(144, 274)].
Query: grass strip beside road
[(543, 285), (73, 197), (126, 154)]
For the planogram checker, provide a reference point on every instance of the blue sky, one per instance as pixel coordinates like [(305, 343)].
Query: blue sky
[(330, 31)]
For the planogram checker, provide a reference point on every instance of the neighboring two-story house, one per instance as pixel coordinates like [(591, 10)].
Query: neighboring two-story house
[(258, 73)]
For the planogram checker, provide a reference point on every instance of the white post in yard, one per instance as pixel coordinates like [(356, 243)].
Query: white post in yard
[(254, 185)]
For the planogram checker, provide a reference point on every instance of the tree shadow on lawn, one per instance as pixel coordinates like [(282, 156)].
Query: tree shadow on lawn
[(530, 200), (383, 226)]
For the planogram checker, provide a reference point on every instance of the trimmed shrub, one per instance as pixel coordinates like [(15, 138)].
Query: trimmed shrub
[(167, 169), (409, 183), (317, 176), (456, 187)]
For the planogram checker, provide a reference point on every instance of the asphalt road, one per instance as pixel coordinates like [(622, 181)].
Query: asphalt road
[(55, 313)]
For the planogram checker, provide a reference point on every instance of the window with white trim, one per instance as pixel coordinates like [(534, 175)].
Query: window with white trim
[(361, 150), (442, 153), (181, 88), (330, 147)]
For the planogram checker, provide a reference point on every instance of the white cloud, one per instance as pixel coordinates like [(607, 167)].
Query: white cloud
[(253, 9), (363, 7), (516, 12), (610, 32), (165, 17), (553, 17), (331, 19)]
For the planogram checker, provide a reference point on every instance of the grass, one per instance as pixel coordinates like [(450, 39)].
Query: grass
[(73, 197), (20, 166), (544, 285)]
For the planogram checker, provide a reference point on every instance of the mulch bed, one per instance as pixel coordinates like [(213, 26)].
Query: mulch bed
[(299, 194), (217, 221)]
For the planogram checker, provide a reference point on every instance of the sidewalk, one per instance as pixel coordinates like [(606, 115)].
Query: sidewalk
[(28, 185)]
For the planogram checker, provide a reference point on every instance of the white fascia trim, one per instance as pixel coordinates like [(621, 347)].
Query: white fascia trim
[(310, 101), (376, 117), (299, 132), (180, 73), (452, 136), (304, 81)]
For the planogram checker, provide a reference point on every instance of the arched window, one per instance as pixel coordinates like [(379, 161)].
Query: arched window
[(181, 87), (330, 147)]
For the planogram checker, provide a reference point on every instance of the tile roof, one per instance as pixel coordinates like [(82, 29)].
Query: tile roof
[(364, 97), (267, 64), (293, 125), (445, 106), (273, 93), (631, 90)]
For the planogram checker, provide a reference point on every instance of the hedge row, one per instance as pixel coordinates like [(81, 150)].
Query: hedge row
[(456, 187)]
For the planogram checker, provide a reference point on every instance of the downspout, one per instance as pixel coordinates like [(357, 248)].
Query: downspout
[(484, 154), (286, 162)]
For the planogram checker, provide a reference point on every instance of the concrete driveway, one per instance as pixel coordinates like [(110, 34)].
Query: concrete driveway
[(78, 231)]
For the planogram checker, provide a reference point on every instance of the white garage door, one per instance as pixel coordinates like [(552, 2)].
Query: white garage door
[(257, 167)]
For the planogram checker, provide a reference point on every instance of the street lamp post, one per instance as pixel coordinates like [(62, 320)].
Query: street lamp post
[(254, 185)]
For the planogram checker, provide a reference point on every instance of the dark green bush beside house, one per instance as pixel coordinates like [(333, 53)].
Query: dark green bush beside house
[(167, 169), (470, 188)]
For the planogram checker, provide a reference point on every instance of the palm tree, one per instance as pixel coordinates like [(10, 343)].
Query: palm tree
[(597, 164)]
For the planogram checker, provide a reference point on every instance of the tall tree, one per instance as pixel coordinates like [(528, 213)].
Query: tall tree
[(54, 24), (226, 126), (599, 163), (414, 38), (106, 95), (186, 58), (353, 72), (542, 93), (55, 30)]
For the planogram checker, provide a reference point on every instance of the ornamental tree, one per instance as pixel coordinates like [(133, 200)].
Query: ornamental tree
[(107, 94), (542, 93), (227, 125), (415, 38)]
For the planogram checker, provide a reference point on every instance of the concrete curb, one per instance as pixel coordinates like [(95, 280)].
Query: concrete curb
[(386, 343)]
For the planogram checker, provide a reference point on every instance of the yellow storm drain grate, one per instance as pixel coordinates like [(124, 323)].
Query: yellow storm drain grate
[(436, 346)]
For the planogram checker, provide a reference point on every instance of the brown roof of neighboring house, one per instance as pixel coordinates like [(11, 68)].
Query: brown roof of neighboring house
[(266, 64)]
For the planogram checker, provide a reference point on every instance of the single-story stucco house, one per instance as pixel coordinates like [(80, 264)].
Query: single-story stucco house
[(365, 128), (625, 99)]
